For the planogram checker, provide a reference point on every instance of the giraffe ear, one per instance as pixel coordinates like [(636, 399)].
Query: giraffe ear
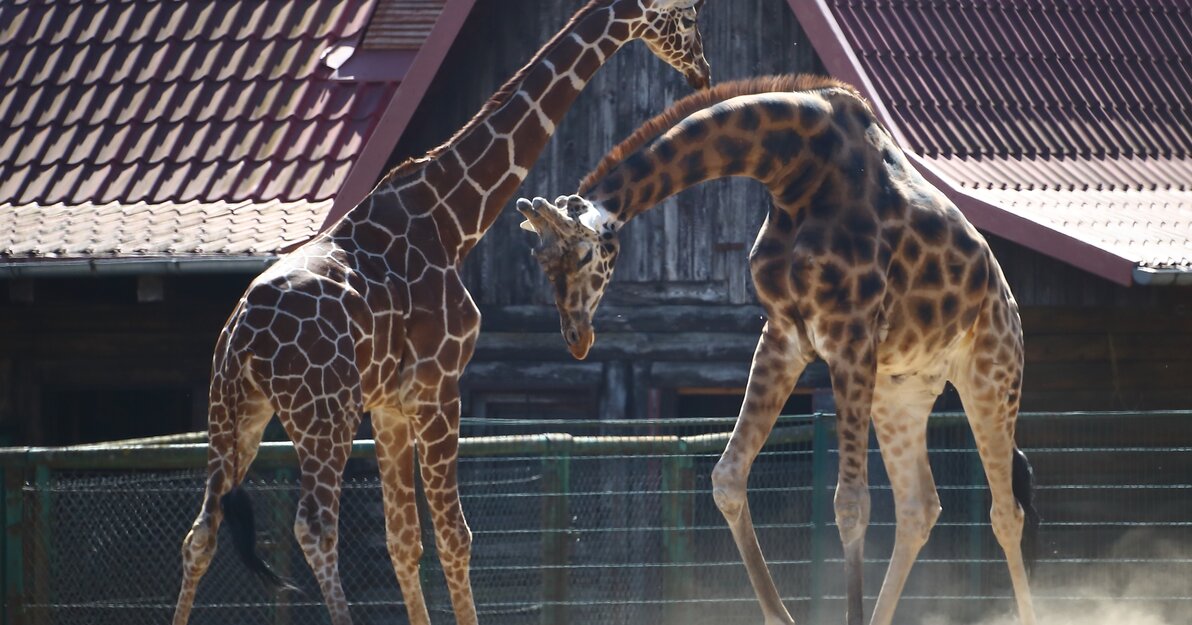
[(526, 225)]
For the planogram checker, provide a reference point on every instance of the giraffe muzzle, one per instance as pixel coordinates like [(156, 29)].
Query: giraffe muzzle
[(700, 79), (579, 340)]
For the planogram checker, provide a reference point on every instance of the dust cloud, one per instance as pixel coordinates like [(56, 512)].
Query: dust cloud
[(1147, 583)]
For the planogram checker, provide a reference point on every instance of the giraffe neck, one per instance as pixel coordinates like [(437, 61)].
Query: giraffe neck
[(787, 141), (470, 179)]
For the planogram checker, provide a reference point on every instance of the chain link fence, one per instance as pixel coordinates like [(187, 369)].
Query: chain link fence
[(613, 522)]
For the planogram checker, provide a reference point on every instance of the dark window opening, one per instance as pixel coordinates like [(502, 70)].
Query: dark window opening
[(76, 416), (704, 404)]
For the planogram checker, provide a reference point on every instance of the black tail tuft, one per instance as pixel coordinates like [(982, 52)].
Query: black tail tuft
[(237, 509), (1024, 485)]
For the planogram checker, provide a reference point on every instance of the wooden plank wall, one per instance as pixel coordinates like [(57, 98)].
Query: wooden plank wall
[(693, 248), (1094, 345)]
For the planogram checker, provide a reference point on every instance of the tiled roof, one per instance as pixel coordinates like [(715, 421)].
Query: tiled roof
[(1072, 116), (139, 127), (194, 228), (1139, 209)]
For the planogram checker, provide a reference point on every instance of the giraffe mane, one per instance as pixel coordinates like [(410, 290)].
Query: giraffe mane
[(502, 95), (701, 100)]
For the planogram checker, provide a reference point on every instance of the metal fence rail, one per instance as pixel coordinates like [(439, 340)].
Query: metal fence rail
[(612, 522)]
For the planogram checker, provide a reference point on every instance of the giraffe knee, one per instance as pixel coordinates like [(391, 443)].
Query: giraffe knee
[(199, 545), (405, 550), (852, 511), (1007, 522), (728, 489), (916, 520), (314, 533), (453, 535)]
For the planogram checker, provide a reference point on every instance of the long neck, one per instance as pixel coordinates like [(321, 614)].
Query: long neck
[(781, 140), (473, 176)]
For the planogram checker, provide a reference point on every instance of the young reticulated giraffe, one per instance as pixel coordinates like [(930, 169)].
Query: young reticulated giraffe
[(371, 316), (861, 262)]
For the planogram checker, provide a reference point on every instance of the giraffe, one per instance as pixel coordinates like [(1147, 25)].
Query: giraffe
[(860, 261), (371, 316)]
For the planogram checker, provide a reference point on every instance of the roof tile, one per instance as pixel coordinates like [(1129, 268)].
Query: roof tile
[(1075, 115), (12, 180), (11, 29), (128, 125)]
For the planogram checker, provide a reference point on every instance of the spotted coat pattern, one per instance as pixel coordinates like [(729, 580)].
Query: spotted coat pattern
[(860, 262), (372, 316)]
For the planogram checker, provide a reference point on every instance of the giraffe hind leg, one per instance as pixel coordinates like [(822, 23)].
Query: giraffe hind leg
[(403, 534), (989, 388), (323, 447), (237, 420), (853, 381), (438, 439)]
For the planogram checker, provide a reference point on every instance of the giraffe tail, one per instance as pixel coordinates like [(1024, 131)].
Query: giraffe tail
[(1023, 482), (237, 509)]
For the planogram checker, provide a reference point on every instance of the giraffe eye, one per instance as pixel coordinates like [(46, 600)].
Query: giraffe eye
[(585, 259)]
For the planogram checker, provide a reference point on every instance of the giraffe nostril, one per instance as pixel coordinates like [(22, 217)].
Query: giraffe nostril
[(571, 336)]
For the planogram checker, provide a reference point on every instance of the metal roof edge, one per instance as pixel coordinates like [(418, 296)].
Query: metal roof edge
[(362, 177), (1162, 276), (77, 267), (841, 61)]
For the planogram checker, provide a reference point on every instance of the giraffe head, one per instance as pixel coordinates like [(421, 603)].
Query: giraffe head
[(577, 248), (669, 28)]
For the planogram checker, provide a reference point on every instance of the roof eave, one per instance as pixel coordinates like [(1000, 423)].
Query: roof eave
[(111, 267), (1162, 276), (376, 151), (1027, 232)]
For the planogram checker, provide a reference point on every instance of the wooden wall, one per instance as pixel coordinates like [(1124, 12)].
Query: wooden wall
[(680, 313), (1094, 345), (691, 249)]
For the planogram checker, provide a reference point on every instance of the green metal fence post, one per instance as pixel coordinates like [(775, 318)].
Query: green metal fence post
[(14, 560), (678, 516), (821, 517), (556, 525), (42, 553)]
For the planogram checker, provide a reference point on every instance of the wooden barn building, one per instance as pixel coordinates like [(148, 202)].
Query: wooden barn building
[(155, 156)]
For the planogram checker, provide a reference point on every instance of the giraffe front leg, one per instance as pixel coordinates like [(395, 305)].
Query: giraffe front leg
[(900, 411), (403, 535), (852, 386), (777, 364), (438, 439)]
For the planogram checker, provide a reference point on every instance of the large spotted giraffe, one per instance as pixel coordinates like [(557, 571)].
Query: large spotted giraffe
[(860, 261), (371, 316)]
